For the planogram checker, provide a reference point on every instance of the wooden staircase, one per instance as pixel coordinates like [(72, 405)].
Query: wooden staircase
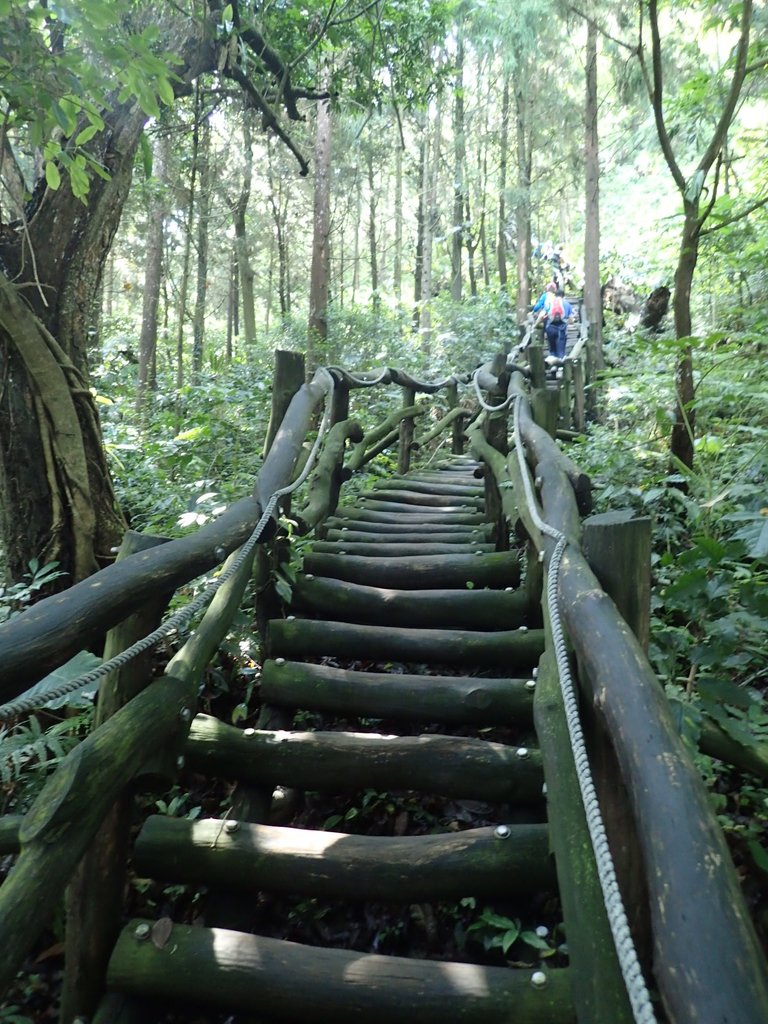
[(406, 583)]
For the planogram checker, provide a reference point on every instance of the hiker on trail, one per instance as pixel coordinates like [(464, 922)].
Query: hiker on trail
[(540, 302), (555, 313)]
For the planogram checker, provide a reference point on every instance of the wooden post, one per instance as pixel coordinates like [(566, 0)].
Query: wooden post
[(340, 404), (288, 378), (565, 396), (457, 436), (545, 407), (579, 398), (536, 363), (591, 380), (95, 894), (406, 432), (618, 548)]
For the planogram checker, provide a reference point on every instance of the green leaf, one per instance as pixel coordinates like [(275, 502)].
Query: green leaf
[(86, 134), (79, 665), (146, 156), (52, 176)]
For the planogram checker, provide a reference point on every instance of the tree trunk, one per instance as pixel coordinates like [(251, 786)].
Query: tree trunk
[(421, 220), (203, 218), (239, 209), (684, 427), (523, 209), (320, 272), (56, 497), (459, 156), (156, 212), (430, 226), (501, 244), (397, 267), (372, 203), (592, 294)]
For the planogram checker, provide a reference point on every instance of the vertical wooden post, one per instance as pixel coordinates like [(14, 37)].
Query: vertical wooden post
[(618, 548), (536, 363), (288, 378), (579, 398), (565, 396), (591, 380), (94, 897), (545, 408), (497, 434), (340, 404), (406, 433), (457, 429)]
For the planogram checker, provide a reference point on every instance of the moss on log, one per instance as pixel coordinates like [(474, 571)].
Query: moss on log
[(235, 971), (454, 700), (348, 762), (303, 638), (443, 609), (401, 869), (437, 518), (66, 815), (459, 571), (430, 486)]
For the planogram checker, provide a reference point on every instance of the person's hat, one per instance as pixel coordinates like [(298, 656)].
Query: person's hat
[(551, 286)]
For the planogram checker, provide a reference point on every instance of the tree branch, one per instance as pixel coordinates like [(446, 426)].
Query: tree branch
[(727, 221), (268, 115), (742, 48), (656, 91), (603, 32)]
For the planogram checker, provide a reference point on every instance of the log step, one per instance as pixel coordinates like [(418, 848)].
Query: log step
[(347, 762), (435, 518), (446, 512), (288, 982), (391, 550), (478, 531), (421, 500), (402, 869), (454, 700), (435, 537), (442, 609), (497, 569), (307, 638), (410, 484)]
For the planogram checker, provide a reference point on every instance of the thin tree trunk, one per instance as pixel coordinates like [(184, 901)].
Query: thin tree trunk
[(523, 209), (684, 427), (459, 158), (421, 221), (203, 218), (239, 210), (320, 273), (156, 212), (501, 244), (372, 203), (356, 248), (592, 293), (397, 268), (430, 228), (187, 257)]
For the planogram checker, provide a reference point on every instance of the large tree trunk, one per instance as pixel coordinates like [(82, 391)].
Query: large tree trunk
[(56, 495), (592, 295), (372, 221), (397, 267), (321, 265)]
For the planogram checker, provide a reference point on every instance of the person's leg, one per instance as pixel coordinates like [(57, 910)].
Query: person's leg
[(551, 333), (562, 339)]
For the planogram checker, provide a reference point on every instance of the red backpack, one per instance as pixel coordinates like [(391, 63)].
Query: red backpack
[(556, 310)]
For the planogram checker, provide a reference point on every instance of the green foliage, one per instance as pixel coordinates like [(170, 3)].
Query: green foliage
[(14, 597), (30, 751)]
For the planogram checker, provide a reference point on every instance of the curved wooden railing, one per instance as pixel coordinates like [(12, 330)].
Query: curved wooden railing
[(672, 863)]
